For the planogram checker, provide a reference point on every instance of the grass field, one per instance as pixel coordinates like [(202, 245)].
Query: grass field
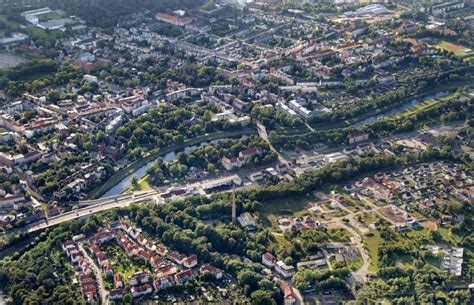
[(456, 49), (143, 184), (425, 106), (54, 15), (368, 218), (12, 24), (287, 206), (373, 243)]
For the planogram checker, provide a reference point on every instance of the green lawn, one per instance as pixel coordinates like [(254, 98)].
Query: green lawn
[(208, 6), (54, 15), (287, 206), (368, 218), (425, 106), (448, 236), (339, 235), (12, 24), (423, 236), (456, 49), (372, 243), (143, 184)]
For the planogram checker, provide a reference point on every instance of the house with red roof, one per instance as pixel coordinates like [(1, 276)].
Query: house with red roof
[(118, 280), (166, 269), (176, 257), (161, 250), (250, 152), (107, 268), (269, 260), (184, 276), (138, 291), (288, 294), (216, 272), (164, 282), (116, 294), (139, 278), (156, 261), (102, 237), (141, 239), (101, 258), (144, 255), (190, 261)]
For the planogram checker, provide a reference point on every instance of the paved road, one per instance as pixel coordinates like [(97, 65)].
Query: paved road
[(98, 275), (102, 205), (363, 271)]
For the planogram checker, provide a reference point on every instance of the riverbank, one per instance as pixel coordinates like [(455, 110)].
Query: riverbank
[(135, 166)]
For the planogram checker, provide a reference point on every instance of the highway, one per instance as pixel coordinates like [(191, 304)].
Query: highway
[(99, 205)]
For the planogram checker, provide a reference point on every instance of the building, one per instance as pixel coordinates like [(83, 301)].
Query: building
[(176, 257), (250, 152), (139, 278), (231, 163), (179, 21), (221, 184), (269, 260), (216, 272), (284, 270), (446, 7), (184, 276), (453, 260), (247, 221), (164, 282), (288, 294), (357, 136), (118, 280), (138, 291), (335, 157), (116, 294), (190, 262)]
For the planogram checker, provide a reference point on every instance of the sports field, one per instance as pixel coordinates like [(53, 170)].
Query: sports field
[(457, 50)]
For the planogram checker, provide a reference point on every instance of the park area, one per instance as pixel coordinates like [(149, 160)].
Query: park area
[(456, 49)]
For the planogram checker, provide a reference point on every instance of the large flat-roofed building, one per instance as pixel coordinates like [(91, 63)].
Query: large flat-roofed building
[(247, 221), (223, 183), (446, 7), (285, 270)]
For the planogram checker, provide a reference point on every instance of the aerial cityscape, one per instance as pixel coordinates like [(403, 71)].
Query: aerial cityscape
[(237, 152)]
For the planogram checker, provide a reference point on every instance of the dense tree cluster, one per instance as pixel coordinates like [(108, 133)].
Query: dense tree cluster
[(107, 13), (208, 158), (413, 286), (158, 128), (41, 275), (307, 279), (16, 80)]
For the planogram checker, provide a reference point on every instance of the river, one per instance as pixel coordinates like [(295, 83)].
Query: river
[(402, 108), (126, 182), (7, 60)]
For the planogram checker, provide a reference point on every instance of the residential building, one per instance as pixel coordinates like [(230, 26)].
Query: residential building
[(284, 270)]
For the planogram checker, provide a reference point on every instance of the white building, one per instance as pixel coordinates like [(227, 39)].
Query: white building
[(285, 270)]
